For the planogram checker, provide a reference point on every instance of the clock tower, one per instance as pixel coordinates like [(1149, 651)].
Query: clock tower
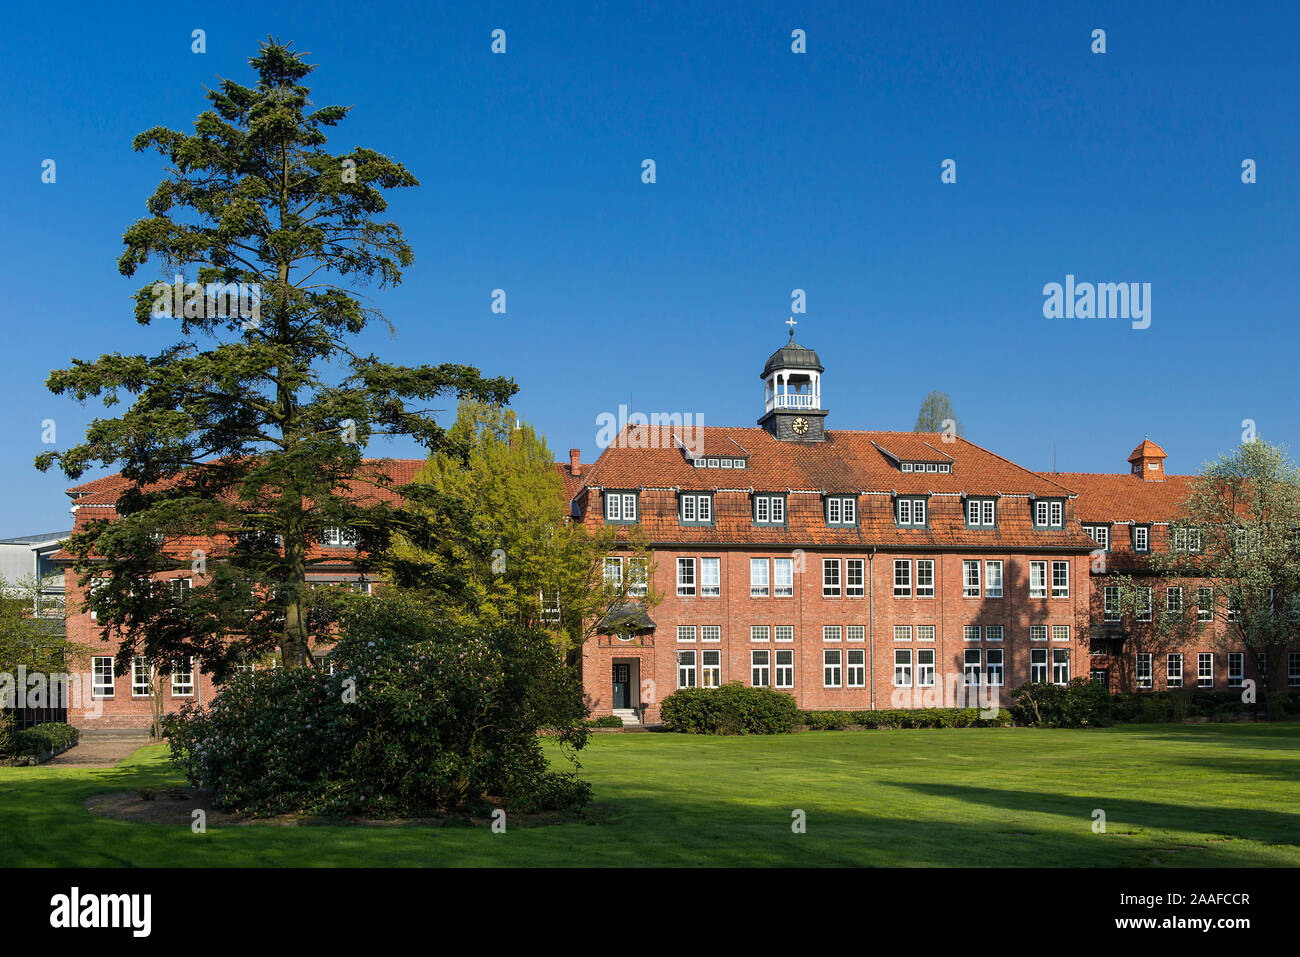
[(792, 381)]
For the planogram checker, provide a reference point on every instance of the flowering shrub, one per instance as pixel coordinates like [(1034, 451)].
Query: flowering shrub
[(418, 718)]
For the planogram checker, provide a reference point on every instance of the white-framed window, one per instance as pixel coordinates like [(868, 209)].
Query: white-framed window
[(769, 509), (1037, 664), (925, 578), (101, 682), (1060, 666), (696, 508), (925, 632), (141, 677), (710, 577), (638, 576), (832, 672), (1236, 668), (1204, 604), (614, 572), (1174, 599), (830, 577), (902, 632), (336, 537), (784, 579), (992, 632), (1143, 672), (1040, 513), (759, 582), (1293, 669), (993, 666), (1187, 539), (759, 632), (902, 667), (183, 678), (910, 512), (620, 506), (1060, 579), (686, 669), (1110, 603), (686, 576), (832, 632), (95, 585), (550, 602), (993, 579), (1205, 669), (1038, 579), (970, 633), (857, 668), (841, 510), (970, 579), (1057, 515), (685, 632), (1100, 534), (925, 668), (1037, 632), (785, 632), (856, 633), (760, 668), (972, 662), (180, 589), (902, 578), (1145, 599), (1174, 670), (854, 577), (1141, 538), (710, 633), (785, 669), (1061, 633), (711, 669), (981, 512)]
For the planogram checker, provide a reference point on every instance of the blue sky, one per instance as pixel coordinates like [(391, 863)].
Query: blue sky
[(775, 171)]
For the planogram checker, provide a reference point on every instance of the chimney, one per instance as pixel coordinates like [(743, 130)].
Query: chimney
[(574, 468), (1148, 461)]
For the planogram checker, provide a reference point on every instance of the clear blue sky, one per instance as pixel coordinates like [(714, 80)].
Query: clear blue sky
[(775, 171)]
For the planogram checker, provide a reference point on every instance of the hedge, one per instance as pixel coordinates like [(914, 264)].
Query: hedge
[(42, 738), (1147, 707), (903, 718), (732, 709)]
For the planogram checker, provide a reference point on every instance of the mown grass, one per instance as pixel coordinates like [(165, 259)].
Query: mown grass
[(1191, 795)]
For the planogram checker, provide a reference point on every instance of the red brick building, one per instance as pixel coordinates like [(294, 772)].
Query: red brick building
[(853, 569), (861, 570)]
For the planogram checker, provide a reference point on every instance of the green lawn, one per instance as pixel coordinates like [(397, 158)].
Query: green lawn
[(1173, 796)]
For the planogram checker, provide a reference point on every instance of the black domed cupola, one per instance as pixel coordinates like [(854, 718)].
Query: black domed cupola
[(792, 380)]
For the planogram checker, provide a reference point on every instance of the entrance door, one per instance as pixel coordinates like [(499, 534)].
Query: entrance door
[(622, 686)]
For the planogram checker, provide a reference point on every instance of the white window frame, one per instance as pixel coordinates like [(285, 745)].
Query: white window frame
[(1141, 538), (903, 583), (993, 670), (687, 585), (1060, 590), (760, 633), (760, 668), (1039, 665), (760, 578), (1143, 669), (784, 668), (1174, 669), (783, 633), (710, 577), (924, 588), (711, 669), (685, 633), (855, 668), (686, 673), (992, 581), (831, 583), (1205, 669), (1236, 669), (902, 667), (855, 577), (103, 683), (832, 633), (1038, 571), (180, 687), (925, 670), (970, 578), (711, 633), (141, 677), (1060, 666), (783, 578), (832, 668)]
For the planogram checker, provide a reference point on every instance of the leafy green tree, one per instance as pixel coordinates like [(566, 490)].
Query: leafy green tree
[(499, 549), (936, 415), (26, 642), (250, 428)]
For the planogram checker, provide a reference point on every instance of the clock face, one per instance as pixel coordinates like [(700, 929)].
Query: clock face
[(800, 425)]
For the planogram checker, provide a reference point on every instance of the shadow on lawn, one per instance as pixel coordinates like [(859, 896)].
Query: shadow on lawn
[(1268, 827)]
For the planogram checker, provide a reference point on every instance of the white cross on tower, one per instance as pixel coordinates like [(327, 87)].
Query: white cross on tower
[(792, 322)]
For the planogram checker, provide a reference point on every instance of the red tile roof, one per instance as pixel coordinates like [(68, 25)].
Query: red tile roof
[(1147, 450), (1126, 498)]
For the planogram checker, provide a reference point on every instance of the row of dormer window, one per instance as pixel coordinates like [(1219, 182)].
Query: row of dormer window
[(769, 508)]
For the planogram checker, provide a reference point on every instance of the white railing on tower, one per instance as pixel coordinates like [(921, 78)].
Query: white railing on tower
[(795, 400)]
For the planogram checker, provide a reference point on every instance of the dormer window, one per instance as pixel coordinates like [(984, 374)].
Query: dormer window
[(769, 509), (696, 508), (941, 467), (843, 510), (620, 507), (335, 537), (1141, 538), (909, 512), (1100, 534), (981, 513), (1049, 513)]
